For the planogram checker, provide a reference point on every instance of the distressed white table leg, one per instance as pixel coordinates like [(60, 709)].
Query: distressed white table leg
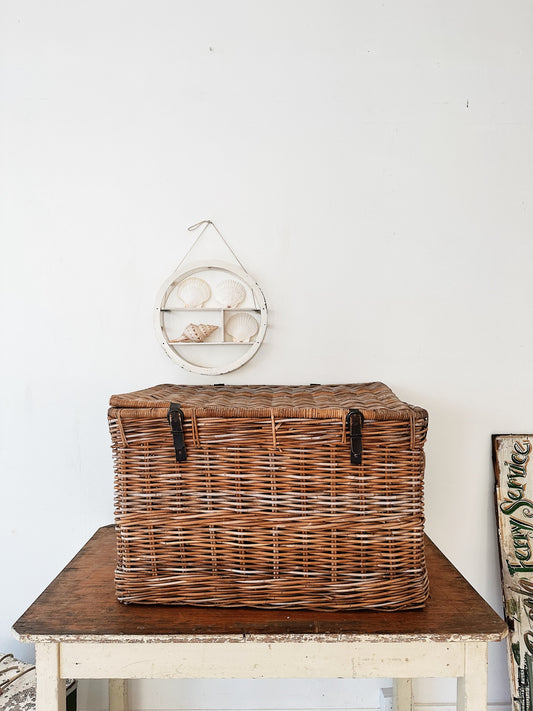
[(472, 688), (118, 695), (50, 687), (402, 695)]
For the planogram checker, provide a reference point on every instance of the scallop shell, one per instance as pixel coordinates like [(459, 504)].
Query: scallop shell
[(230, 293), (242, 327), (194, 292), (195, 333)]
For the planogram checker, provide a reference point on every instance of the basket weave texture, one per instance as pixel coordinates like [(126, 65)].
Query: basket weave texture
[(267, 509)]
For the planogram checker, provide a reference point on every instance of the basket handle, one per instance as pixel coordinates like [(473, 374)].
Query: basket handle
[(176, 419), (355, 420)]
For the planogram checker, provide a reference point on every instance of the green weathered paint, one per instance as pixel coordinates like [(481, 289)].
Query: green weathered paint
[(514, 498)]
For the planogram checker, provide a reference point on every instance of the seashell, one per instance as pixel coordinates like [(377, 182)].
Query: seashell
[(194, 292), (195, 333), (242, 327), (230, 293)]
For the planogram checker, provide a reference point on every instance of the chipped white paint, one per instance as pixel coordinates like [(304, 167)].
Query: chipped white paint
[(472, 686), (50, 692), (118, 695), (164, 313), (402, 695), (257, 661), (263, 638), (141, 659)]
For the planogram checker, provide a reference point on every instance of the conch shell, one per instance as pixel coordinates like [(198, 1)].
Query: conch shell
[(195, 333)]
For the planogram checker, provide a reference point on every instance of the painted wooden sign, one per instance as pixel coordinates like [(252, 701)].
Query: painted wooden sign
[(513, 468)]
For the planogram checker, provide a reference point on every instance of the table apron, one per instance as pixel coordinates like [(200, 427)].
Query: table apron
[(256, 660)]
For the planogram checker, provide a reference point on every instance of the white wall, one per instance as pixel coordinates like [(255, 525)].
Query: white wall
[(370, 164)]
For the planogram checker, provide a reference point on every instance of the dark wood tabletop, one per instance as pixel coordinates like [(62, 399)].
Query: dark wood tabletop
[(81, 604)]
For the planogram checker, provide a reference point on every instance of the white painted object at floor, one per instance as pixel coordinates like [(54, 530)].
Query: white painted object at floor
[(17, 684)]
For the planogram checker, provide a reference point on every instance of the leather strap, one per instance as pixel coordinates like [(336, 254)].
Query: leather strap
[(176, 419), (355, 420)]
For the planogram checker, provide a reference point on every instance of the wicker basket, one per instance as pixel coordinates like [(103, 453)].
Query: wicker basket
[(269, 496)]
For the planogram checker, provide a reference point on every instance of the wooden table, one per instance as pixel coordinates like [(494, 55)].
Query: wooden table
[(82, 632)]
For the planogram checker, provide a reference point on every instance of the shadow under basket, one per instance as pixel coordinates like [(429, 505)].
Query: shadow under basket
[(269, 496)]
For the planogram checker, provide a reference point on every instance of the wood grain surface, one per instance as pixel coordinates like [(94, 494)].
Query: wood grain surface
[(81, 604)]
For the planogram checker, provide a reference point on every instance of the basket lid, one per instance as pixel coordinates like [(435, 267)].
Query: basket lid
[(375, 400)]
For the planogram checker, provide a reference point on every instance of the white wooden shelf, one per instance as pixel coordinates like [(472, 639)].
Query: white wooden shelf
[(171, 320), (211, 343), (208, 309)]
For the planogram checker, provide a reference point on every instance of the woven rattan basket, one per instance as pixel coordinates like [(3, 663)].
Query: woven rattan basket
[(269, 496)]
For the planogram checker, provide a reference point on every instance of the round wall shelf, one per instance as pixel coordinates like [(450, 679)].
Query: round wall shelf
[(210, 318)]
